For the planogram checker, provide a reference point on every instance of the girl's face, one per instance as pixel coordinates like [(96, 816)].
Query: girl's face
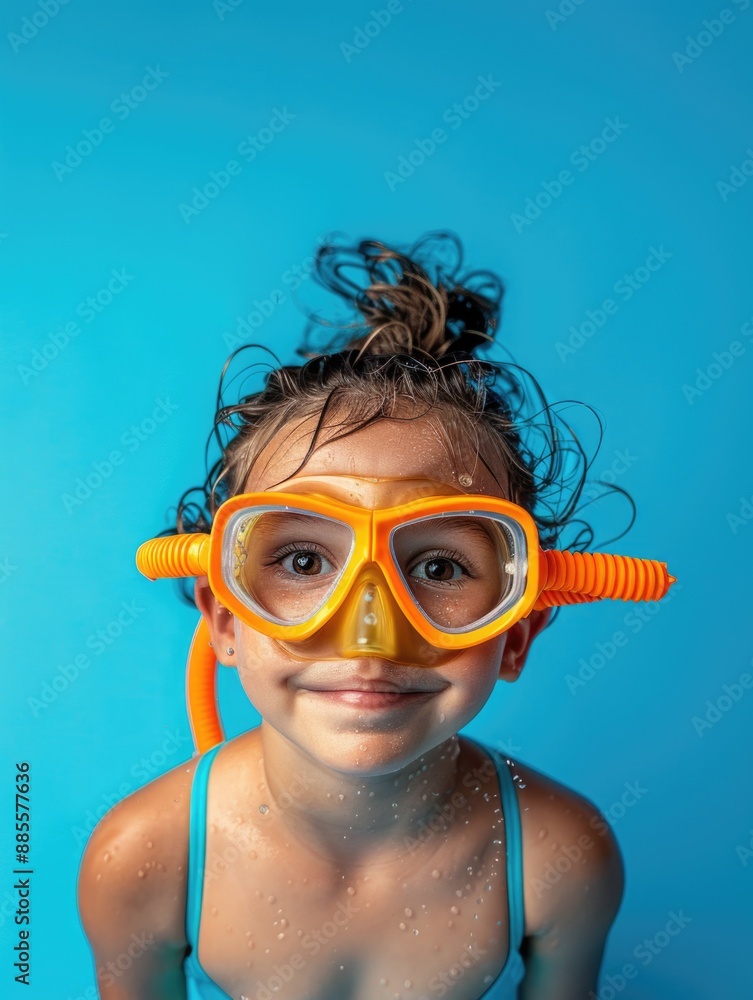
[(385, 464)]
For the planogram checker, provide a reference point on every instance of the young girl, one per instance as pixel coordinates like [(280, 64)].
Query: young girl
[(374, 576)]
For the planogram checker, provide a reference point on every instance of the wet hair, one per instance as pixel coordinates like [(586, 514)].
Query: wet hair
[(408, 347)]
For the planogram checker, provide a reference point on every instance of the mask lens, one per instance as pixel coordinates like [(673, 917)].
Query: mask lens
[(283, 563), (461, 569)]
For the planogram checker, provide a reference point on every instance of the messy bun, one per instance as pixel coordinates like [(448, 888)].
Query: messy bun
[(407, 347)]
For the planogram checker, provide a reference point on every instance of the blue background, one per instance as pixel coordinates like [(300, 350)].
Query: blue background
[(223, 74)]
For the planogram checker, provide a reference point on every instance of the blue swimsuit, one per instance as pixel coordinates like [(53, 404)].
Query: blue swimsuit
[(504, 987)]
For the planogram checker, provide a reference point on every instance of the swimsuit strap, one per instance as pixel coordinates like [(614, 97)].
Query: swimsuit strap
[(514, 849), (513, 846), (197, 846)]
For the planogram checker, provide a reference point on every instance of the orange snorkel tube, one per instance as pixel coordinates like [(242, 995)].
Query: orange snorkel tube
[(564, 578)]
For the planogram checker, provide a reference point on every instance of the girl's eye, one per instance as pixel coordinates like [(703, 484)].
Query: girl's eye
[(438, 569), (304, 562)]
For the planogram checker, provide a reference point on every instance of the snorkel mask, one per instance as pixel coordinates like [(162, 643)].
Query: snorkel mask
[(414, 583)]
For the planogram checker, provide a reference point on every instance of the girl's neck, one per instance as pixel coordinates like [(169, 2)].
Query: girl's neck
[(351, 820)]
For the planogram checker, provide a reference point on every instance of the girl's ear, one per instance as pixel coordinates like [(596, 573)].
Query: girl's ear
[(518, 642), (220, 622)]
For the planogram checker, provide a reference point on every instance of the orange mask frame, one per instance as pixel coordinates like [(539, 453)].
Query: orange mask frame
[(551, 578)]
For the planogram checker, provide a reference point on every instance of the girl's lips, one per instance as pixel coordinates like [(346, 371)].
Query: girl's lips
[(375, 699)]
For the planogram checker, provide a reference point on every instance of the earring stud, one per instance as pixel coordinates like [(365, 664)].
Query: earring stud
[(230, 650)]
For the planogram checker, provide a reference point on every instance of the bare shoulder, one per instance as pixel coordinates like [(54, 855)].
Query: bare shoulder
[(572, 862), (132, 887)]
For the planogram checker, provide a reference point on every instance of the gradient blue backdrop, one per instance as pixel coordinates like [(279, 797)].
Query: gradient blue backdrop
[(345, 115)]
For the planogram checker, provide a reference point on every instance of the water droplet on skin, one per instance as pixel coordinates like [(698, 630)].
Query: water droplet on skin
[(99, 876), (382, 981), (455, 910), (436, 873), (370, 619), (213, 911), (408, 911), (402, 926), (150, 844), (450, 923), (350, 890), (142, 873), (263, 808), (107, 856), (407, 984), (250, 944), (252, 854), (281, 936), (442, 716), (271, 899), (341, 796)]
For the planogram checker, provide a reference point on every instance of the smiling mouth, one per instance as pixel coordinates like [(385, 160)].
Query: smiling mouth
[(360, 698)]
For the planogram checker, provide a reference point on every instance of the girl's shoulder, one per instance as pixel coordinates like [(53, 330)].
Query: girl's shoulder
[(133, 873), (571, 859)]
